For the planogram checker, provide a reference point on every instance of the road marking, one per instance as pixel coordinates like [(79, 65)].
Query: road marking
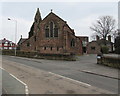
[(5, 91), (26, 87), (70, 79), (2, 68), (86, 71)]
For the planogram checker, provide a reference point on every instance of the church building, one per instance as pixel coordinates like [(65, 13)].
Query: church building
[(51, 35)]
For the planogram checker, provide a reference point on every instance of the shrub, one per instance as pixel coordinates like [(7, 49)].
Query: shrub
[(104, 49), (117, 44)]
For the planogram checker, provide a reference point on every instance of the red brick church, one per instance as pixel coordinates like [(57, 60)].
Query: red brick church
[(51, 35)]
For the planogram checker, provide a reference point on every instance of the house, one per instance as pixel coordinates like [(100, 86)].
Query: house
[(94, 47), (85, 40), (51, 35), (20, 42), (6, 44)]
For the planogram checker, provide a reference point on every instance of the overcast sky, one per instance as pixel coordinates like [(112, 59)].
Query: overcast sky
[(78, 15)]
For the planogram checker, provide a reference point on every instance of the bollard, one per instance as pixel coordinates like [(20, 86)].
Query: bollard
[(99, 58)]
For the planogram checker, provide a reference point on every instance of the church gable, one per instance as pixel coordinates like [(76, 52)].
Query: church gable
[(51, 29), (51, 26), (52, 16), (52, 35)]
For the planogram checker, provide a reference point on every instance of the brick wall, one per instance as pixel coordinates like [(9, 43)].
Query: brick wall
[(91, 46), (52, 45)]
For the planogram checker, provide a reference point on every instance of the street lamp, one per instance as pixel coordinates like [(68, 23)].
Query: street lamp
[(15, 32)]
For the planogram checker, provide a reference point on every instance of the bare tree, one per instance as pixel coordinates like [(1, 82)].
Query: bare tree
[(104, 26), (93, 36)]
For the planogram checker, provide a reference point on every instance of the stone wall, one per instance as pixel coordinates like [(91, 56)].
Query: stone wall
[(93, 51), (109, 61), (52, 45)]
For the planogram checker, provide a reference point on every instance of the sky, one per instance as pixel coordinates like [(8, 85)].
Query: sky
[(79, 16), (119, 15)]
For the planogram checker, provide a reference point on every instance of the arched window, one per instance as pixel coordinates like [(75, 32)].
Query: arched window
[(47, 31), (72, 43), (51, 30), (55, 31), (28, 44), (57, 48), (35, 38), (51, 48)]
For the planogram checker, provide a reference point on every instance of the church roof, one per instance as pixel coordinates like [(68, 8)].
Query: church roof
[(21, 41), (51, 13)]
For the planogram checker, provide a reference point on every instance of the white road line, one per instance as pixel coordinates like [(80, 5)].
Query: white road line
[(2, 68), (86, 71), (70, 79), (26, 87), (5, 91)]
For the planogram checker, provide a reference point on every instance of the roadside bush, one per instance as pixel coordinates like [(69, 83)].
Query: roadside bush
[(104, 49), (39, 55), (111, 61)]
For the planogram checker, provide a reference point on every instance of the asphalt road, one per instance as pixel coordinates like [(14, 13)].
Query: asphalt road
[(11, 85), (72, 69)]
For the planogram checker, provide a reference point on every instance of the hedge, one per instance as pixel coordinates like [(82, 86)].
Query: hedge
[(40, 55)]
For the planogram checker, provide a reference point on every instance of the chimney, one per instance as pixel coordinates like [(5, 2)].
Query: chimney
[(109, 38), (97, 37)]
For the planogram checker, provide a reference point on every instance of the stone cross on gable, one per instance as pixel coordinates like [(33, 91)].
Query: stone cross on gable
[(51, 10)]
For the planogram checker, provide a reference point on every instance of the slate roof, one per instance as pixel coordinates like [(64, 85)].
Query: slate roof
[(21, 41)]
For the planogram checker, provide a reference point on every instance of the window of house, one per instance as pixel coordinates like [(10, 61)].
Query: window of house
[(44, 48), (72, 43), (28, 44), (10, 47), (35, 38), (51, 48), (5, 47), (51, 30), (6, 44), (35, 48), (92, 48), (47, 31), (55, 31), (57, 48), (10, 43)]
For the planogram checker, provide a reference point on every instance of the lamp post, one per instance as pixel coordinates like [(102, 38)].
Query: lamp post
[(15, 32)]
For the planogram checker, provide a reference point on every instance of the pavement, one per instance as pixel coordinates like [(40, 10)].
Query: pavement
[(44, 82), (11, 84), (0, 82)]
